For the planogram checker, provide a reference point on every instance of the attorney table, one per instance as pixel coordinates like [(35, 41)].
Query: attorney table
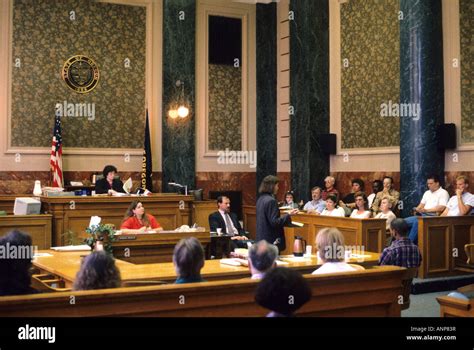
[(65, 266)]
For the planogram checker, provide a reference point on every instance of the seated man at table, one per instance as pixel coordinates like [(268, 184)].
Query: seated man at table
[(224, 219), (98, 271), (137, 221), (109, 184), (331, 251), (316, 205), (462, 202), (402, 252), (433, 203), (262, 258), (283, 291), (188, 260), (15, 275)]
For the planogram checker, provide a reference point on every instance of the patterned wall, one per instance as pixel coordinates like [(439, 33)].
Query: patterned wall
[(225, 107), (466, 8), (44, 37), (370, 41)]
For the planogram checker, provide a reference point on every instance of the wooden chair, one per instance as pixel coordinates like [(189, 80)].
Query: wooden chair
[(469, 249), (407, 281), (48, 283)]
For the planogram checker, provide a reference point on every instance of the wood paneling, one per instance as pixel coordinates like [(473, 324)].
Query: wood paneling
[(37, 226)]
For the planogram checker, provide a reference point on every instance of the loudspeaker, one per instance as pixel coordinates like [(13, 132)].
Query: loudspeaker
[(328, 143), (447, 136)]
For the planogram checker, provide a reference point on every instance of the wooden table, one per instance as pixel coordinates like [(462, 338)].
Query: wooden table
[(157, 247), (73, 213), (37, 226), (367, 233), (65, 265)]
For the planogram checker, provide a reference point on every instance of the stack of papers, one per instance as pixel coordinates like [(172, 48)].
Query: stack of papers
[(234, 262), (71, 248)]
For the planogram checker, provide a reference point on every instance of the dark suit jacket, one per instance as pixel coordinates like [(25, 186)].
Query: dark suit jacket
[(102, 186), (217, 221), (269, 223)]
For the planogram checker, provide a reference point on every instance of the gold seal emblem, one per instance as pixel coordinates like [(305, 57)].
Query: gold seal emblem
[(80, 73)]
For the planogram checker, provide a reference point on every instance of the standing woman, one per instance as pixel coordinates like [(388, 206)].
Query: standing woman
[(269, 223), (137, 221)]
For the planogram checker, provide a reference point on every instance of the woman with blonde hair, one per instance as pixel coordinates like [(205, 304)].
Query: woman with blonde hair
[(331, 250)]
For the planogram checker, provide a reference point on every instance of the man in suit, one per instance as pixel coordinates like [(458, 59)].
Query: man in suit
[(224, 219)]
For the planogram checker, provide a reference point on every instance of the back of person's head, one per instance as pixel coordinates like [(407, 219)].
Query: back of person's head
[(330, 245), (262, 255), (282, 291), (98, 271), (268, 184), (188, 257), (15, 276), (400, 226)]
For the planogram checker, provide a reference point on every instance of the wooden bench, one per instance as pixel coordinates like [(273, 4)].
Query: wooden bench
[(372, 292), (367, 233), (442, 243)]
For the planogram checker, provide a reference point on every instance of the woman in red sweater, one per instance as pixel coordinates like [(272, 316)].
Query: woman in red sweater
[(137, 221)]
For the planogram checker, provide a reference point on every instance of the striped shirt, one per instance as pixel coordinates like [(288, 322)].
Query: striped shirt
[(403, 253)]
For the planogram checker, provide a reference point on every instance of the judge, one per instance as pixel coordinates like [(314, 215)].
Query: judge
[(109, 184)]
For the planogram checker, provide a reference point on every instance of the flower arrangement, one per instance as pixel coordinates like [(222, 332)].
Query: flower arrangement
[(104, 233)]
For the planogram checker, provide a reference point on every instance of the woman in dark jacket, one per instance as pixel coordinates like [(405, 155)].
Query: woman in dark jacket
[(269, 223)]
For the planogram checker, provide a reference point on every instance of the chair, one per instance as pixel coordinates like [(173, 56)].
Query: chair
[(407, 281), (469, 249), (48, 283)]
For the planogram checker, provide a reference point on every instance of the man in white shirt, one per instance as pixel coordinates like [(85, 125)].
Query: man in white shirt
[(316, 205), (262, 258), (433, 203), (462, 202)]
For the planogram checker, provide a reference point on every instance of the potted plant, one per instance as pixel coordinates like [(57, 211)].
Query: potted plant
[(103, 233)]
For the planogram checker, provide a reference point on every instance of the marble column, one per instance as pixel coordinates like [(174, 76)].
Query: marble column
[(309, 93), (179, 33), (266, 91), (421, 86)]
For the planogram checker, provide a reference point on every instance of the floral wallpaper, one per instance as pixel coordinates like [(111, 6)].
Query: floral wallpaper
[(370, 72), (225, 107), (466, 9), (46, 34)]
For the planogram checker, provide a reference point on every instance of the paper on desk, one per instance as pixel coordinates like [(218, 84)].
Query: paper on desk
[(41, 255), (72, 248), (280, 263), (297, 223), (95, 221), (76, 183), (127, 186), (357, 256), (295, 258)]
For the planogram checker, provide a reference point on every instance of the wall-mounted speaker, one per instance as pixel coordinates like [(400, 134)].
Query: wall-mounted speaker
[(328, 143), (447, 136)]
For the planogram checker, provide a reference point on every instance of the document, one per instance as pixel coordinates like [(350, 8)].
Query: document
[(71, 248), (127, 186)]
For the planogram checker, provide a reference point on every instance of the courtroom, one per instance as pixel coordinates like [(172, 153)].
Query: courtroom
[(212, 159)]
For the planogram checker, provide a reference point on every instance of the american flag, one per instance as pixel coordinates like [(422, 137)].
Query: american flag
[(56, 161)]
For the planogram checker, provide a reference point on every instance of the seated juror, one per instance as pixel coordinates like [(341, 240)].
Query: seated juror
[(389, 192), (109, 184), (331, 207), (462, 202), (349, 200), (402, 252), (362, 208), (317, 204), (188, 260), (433, 203), (386, 212), (224, 219), (262, 258), (137, 221), (331, 251)]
